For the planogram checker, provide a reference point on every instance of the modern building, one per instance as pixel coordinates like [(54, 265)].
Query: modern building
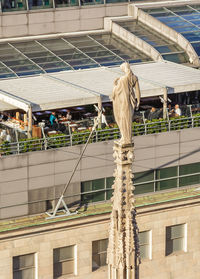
[(49, 53)]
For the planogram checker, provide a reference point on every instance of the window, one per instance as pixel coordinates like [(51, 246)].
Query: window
[(96, 190), (24, 267), (145, 244), (166, 183), (176, 239), (189, 170), (63, 261), (99, 253), (144, 182)]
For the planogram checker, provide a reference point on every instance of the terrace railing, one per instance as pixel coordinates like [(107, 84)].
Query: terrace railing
[(76, 138)]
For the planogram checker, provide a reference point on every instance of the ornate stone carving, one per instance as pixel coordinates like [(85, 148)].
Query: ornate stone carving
[(125, 98), (121, 248)]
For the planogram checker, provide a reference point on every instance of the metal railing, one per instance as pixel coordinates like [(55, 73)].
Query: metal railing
[(28, 5), (76, 138)]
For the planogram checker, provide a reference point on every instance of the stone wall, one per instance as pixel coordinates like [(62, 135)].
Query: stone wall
[(52, 21), (41, 176), (82, 231)]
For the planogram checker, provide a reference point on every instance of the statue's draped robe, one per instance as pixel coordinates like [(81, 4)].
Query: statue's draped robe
[(124, 102)]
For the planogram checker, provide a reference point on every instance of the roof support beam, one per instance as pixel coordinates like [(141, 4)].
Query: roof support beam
[(14, 101)]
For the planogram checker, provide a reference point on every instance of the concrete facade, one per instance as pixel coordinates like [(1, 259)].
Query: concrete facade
[(42, 239), (39, 177), (52, 21)]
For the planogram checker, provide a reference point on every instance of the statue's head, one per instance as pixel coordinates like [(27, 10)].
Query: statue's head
[(125, 67)]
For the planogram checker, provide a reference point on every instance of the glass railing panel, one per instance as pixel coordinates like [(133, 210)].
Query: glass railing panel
[(91, 2), (66, 3), (115, 1), (13, 5), (40, 4)]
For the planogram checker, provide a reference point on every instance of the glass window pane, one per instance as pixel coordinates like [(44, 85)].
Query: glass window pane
[(109, 194), (86, 186), (144, 252), (23, 261), (189, 180), (64, 253), (98, 184), (144, 188), (99, 196), (144, 176), (102, 258), (109, 182), (67, 267), (103, 244), (177, 231), (178, 244), (24, 274), (166, 172), (191, 168), (63, 268), (175, 238), (144, 238), (166, 184), (99, 253)]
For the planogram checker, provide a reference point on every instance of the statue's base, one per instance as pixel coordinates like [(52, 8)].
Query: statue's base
[(123, 145)]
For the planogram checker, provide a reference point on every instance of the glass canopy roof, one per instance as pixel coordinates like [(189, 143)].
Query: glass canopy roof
[(183, 19), (168, 49), (67, 53)]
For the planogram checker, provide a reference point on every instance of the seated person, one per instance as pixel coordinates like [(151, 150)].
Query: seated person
[(68, 116), (152, 114), (177, 110)]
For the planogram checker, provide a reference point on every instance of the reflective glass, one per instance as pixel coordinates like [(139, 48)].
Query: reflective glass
[(40, 4), (184, 13), (186, 28), (197, 7), (175, 57), (192, 17), (196, 21), (67, 53), (196, 46), (144, 188), (159, 42), (66, 3), (187, 22), (189, 169), (164, 14), (192, 36), (170, 19), (14, 5), (179, 23), (91, 2)]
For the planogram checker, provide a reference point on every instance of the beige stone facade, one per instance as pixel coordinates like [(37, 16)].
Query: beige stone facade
[(42, 239)]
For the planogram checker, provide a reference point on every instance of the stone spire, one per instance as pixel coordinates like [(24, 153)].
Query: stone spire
[(121, 248)]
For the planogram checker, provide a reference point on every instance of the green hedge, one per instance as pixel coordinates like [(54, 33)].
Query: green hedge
[(55, 141)]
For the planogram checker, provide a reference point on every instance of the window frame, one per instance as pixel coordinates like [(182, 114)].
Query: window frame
[(34, 266), (74, 259), (149, 244), (98, 253), (170, 240)]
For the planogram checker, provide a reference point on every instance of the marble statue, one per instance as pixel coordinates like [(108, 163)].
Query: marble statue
[(125, 98)]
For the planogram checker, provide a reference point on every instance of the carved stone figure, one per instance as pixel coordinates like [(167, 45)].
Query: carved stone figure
[(125, 100)]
